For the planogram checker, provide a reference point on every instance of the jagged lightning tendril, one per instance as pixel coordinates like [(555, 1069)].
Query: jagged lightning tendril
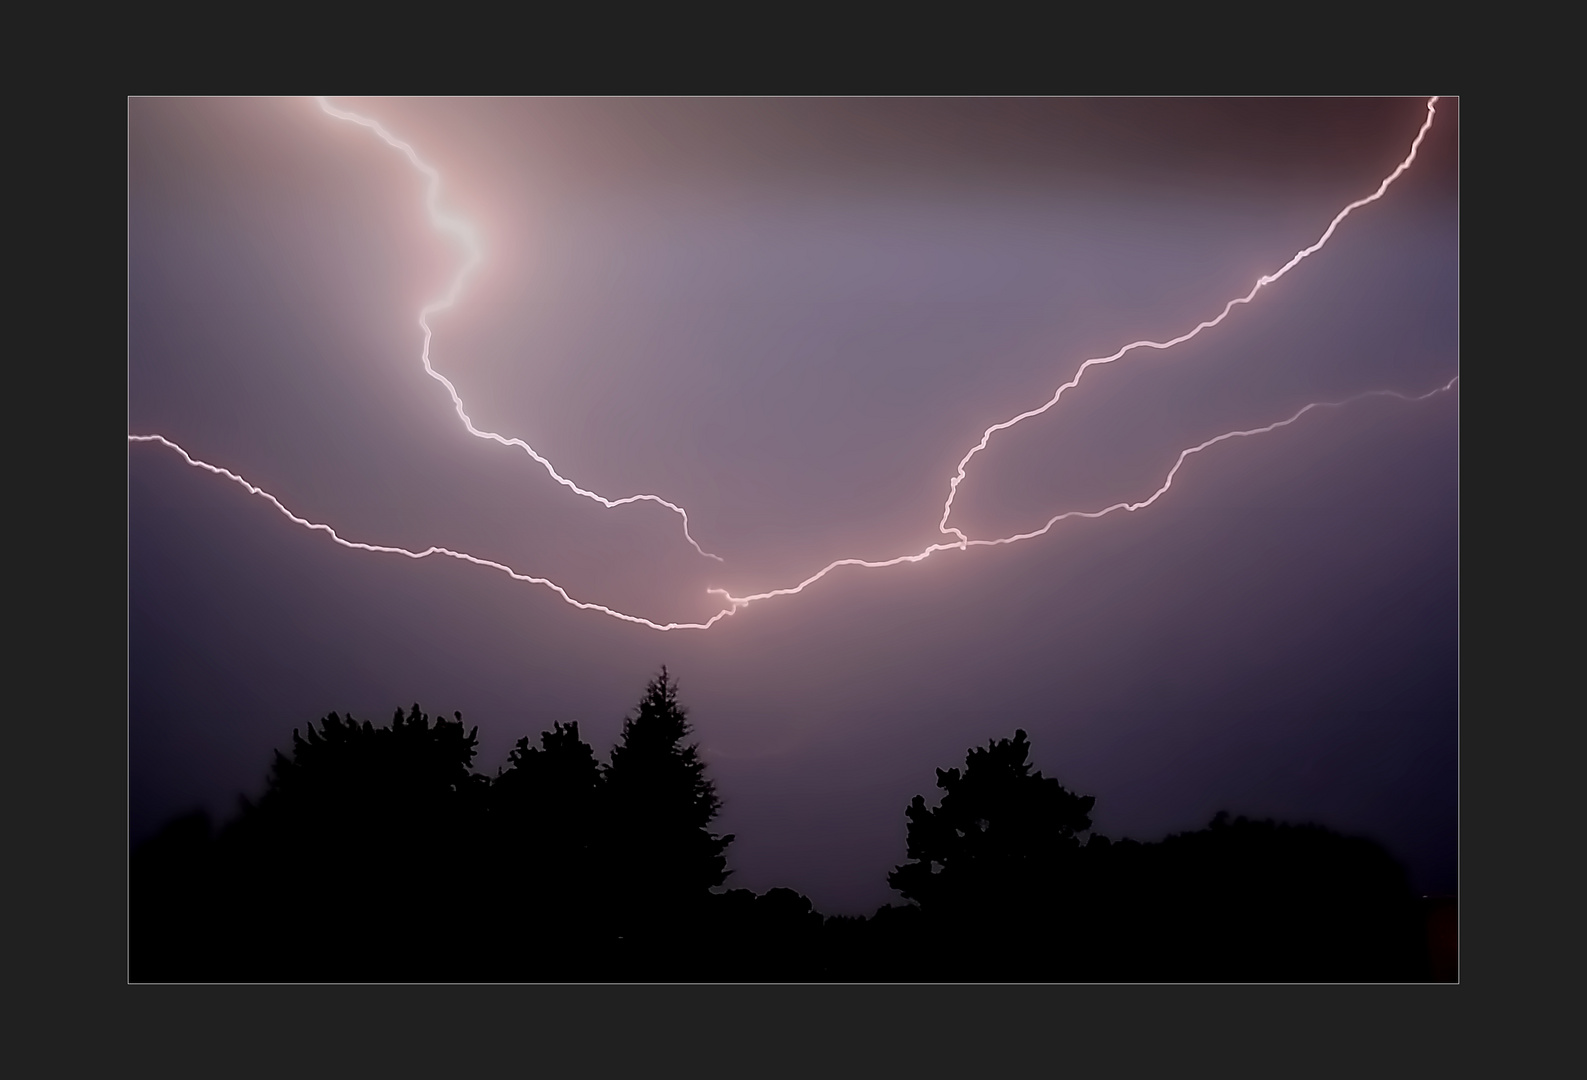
[(386, 549), (1261, 283), (735, 602), (464, 233), (1168, 482)]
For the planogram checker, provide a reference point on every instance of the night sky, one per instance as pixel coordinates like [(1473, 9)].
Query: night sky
[(793, 317)]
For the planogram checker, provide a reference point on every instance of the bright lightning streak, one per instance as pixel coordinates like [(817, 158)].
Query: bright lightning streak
[(1168, 482), (464, 233), (1262, 282), (385, 549), (737, 602), (462, 230)]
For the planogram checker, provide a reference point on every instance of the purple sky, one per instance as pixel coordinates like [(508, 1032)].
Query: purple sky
[(793, 317)]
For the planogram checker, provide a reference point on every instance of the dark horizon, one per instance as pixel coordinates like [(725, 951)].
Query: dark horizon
[(377, 854), (792, 317)]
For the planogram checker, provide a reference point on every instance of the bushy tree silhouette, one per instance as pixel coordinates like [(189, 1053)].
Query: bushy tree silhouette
[(1000, 831), (354, 775), (995, 865), (362, 838), (546, 859), (1007, 891), (545, 801), (1255, 901), (377, 853)]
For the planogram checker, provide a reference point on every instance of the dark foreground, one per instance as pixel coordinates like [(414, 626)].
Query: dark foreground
[(377, 855), (1184, 910)]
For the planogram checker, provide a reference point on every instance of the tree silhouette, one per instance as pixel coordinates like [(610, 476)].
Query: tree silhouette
[(544, 802), (1001, 833), (171, 902), (362, 838), (546, 859), (995, 867), (356, 774), (659, 805), (377, 853), (1260, 901)]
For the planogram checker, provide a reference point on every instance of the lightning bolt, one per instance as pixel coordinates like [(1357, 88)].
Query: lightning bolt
[(735, 602), (387, 549), (1168, 482), (1261, 283), (463, 232)]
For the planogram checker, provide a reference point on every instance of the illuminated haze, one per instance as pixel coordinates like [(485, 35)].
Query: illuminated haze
[(793, 318)]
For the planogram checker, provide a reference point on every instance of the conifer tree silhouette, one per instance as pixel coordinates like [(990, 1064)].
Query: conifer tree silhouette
[(659, 805), (377, 854)]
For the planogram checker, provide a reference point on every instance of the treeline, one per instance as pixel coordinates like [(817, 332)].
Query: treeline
[(377, 854)]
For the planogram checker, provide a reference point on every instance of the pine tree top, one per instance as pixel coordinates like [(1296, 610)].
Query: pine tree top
[(653, 764)]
